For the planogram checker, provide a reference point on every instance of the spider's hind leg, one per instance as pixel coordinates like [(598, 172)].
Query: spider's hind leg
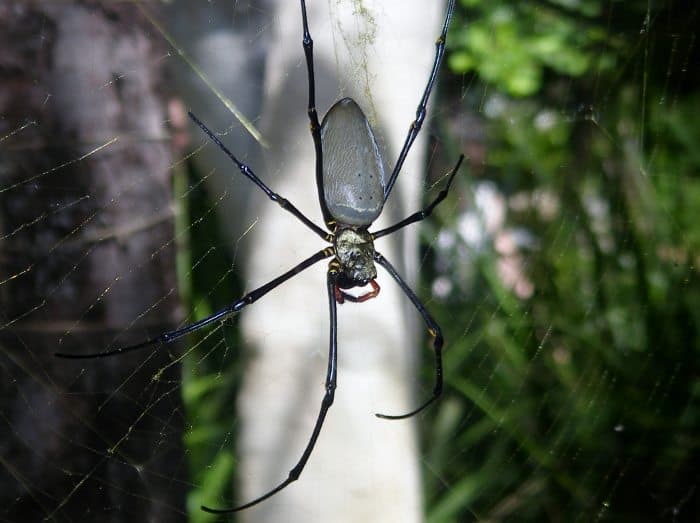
[(422, 108), (423, 214), (248, 173)]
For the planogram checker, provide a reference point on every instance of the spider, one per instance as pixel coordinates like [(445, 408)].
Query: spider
[(352, 189)]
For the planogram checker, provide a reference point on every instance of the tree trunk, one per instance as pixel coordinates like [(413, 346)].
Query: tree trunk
[(86, 263), (363, 468)]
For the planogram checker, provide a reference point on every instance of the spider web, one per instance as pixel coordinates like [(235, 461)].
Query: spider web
[(562, 267)]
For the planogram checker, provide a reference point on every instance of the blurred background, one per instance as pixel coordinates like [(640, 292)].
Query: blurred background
[(562, 267)]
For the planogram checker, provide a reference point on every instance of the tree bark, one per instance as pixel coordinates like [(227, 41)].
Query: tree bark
[(86, 263)]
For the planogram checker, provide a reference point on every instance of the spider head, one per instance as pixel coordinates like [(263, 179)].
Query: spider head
[(354, 250)]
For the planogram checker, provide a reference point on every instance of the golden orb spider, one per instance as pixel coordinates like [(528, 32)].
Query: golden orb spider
[(352, 189)]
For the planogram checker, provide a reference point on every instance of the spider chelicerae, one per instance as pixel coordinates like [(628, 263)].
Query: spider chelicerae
[(352, 188)]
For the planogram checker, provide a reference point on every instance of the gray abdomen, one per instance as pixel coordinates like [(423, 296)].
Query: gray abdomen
[(353, 170)]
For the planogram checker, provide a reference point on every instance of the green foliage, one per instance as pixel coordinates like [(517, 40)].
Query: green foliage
[(207, 282), (573, 387), (510, 44)]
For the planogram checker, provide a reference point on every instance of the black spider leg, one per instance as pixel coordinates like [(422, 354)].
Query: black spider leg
[(422, 215), (170, 336), (314, 124), (331, 381), (248, 173), (422, 106), (433, 329)]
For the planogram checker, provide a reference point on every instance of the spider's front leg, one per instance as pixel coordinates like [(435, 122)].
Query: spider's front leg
[(170, 336), (433, 329), (331, 383)]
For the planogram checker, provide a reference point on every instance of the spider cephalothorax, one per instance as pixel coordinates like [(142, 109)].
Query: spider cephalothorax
[(354, 263), (354, 249)]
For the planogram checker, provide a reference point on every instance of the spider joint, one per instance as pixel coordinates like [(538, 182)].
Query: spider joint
[(333, 265)]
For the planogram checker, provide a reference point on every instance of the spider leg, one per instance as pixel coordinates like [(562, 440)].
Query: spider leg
[(422, 215), (248, 173), (433, 329), (314, 124), (421, 110), (331, 381), (170, 336)]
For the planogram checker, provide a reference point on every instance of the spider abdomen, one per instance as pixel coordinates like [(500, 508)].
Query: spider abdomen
[(353, 169)]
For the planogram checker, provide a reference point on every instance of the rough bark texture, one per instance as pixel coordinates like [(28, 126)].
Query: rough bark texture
[(86, 262)]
